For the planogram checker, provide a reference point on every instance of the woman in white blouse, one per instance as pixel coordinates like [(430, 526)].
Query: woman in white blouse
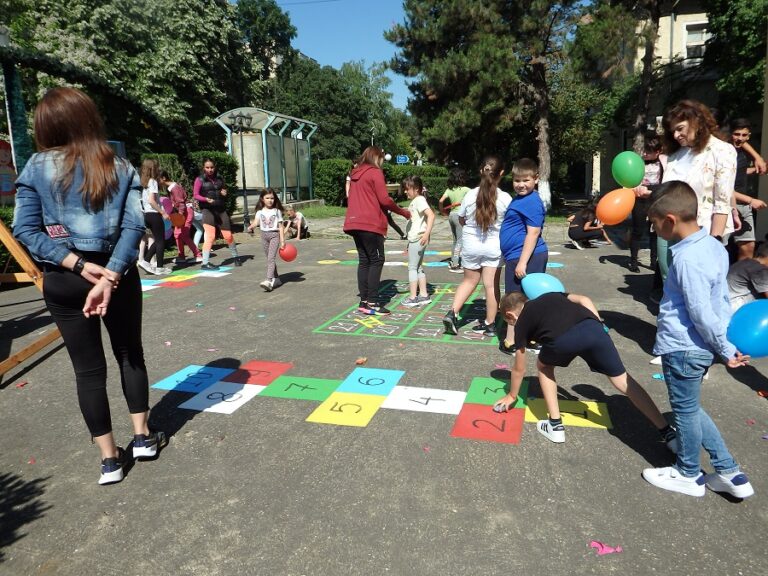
[(698, 156)]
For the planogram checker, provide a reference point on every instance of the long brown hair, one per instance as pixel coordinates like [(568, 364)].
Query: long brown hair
[(700, 120), (150, 170), (491, 171), (372, 155), (67, 120)]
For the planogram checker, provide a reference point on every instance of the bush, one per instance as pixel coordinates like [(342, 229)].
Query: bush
[(329, 179), (6, 215), (436, 186), (396, 173)]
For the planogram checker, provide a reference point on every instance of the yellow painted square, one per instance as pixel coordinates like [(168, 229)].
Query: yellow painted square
[(347, 409), (179, 278), (573, 413)]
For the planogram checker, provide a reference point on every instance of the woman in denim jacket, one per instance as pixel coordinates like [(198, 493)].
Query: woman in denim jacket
[(78, 211)]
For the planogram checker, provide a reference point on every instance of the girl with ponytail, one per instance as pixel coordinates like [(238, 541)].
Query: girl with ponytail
[(481, 213)]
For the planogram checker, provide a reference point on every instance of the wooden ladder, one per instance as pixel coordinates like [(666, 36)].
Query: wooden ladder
[(31, 274)]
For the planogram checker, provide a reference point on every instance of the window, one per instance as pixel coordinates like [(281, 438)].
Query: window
[(696, 36)]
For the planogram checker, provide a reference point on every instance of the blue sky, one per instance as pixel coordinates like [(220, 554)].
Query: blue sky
[(337, 31)]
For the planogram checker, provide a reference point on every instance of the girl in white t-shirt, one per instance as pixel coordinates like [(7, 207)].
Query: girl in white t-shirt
[(268, 218), (418, 230), (481, 213)]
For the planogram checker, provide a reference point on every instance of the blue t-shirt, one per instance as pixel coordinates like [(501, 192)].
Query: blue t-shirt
[(522, 212)]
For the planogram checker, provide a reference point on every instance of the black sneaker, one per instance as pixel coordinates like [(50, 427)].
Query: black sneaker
[(484, 329), (633, 266), (449, 321), (511, 349), (148, 446), (112, 468), (209, 266), (236, 262)]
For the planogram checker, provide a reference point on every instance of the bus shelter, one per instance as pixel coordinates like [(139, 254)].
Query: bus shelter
[(273, 151)]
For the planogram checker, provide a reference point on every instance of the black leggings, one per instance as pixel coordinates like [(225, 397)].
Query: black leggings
[(154, 222), (641, 225), (578, 233), (370, 251), (65, 293)]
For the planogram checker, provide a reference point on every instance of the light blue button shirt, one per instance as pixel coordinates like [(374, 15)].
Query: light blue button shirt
[(695, 311)]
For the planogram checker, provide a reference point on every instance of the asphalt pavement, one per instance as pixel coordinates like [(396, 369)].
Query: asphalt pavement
[(261, 490)]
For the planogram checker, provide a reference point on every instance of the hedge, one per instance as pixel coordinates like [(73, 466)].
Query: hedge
[(329, 178), (6, 215)]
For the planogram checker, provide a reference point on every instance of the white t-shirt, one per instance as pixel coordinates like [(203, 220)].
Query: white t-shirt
[(269, 219), (474, 241), (146, 194), (417, 225)]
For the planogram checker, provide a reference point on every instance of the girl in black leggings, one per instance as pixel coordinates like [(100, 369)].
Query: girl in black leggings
[(78, 210)]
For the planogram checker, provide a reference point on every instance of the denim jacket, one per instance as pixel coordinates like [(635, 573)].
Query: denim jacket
[(53, 223)]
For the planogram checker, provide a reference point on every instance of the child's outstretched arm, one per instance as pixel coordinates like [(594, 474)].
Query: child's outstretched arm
[(518, 373)]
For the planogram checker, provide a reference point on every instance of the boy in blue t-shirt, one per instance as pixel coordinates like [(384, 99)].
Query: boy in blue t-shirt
[(691, 329), (524, 250)]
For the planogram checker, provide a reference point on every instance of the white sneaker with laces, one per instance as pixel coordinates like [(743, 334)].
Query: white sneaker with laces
[(162, 271), (576, 244), (671, 479), (267, 285), (146, 266), (554, 433)]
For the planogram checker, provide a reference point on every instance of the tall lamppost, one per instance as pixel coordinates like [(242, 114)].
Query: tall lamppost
[(239, 123)]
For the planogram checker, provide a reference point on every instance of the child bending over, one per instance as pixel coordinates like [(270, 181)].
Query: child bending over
[(567, 326)]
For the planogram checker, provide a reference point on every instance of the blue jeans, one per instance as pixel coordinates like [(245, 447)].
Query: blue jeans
[(683, 372)]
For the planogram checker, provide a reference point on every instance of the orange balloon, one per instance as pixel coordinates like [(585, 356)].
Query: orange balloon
[(616, 206)]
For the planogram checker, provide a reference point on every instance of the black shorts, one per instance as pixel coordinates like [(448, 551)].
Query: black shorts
[(589, 341), (218, 218)]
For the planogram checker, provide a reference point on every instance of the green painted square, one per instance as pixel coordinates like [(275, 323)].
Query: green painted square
[(300, 388), (489, 390)]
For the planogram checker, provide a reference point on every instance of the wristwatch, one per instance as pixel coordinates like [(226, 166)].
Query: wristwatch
[(79, 265)]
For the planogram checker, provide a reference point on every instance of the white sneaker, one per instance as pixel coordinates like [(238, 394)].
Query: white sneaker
[(576, 244), (669, 478), (656, 361), (276, 282), (556, 434), (162, 271), (146, 266), (267, 285), (738, 485)]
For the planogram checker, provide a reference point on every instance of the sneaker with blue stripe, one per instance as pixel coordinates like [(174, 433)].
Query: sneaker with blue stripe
[(734, 484), (148, 445), (112, 468), (670, 478)]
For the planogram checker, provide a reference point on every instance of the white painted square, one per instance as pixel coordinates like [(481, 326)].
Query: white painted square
[(148, 288), (425, 400), (211, 274), (222, 397)]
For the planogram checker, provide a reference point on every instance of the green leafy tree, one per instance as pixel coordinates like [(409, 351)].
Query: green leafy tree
[(268, 32), (482, 73), (737, 51)]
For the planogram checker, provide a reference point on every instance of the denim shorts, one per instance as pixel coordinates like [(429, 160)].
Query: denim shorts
[(589, 341)]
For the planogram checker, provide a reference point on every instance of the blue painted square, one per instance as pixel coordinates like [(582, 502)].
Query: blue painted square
[(150, 282), (375, 381), (193, 378)]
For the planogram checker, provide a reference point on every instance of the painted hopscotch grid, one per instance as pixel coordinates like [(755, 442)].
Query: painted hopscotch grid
[(355, 400), (422, 323)]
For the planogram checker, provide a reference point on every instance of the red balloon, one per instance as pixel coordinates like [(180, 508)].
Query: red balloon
[(616, 206), (288, 252)]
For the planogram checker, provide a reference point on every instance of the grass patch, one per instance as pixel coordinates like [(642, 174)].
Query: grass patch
[(321, 212)]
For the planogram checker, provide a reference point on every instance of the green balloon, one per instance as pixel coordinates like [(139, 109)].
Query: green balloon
[(628, 169)]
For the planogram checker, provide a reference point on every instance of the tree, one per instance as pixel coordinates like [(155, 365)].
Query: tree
[(185, 68), (268, 32), (737, 51), (481, 70)]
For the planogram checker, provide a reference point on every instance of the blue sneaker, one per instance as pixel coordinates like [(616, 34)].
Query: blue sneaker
[(148, 446), (112, 468)]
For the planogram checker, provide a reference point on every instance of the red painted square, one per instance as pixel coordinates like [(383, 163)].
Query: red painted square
[(480, 422), (258, 372), (182, 284)]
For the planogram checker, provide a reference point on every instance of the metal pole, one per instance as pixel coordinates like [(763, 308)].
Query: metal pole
[(246, 216)]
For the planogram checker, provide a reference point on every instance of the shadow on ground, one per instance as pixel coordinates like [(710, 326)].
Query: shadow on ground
[(20, 504)]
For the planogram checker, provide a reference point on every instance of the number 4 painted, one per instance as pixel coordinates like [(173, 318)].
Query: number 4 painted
[(426, 400)]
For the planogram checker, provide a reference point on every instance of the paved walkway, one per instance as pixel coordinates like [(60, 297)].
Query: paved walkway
[(264, 491)]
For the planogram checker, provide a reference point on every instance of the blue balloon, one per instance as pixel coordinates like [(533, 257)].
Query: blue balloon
[(748, 329), (538, 283)]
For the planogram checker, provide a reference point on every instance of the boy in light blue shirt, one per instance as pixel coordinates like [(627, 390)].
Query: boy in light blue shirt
[(692, 323)]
